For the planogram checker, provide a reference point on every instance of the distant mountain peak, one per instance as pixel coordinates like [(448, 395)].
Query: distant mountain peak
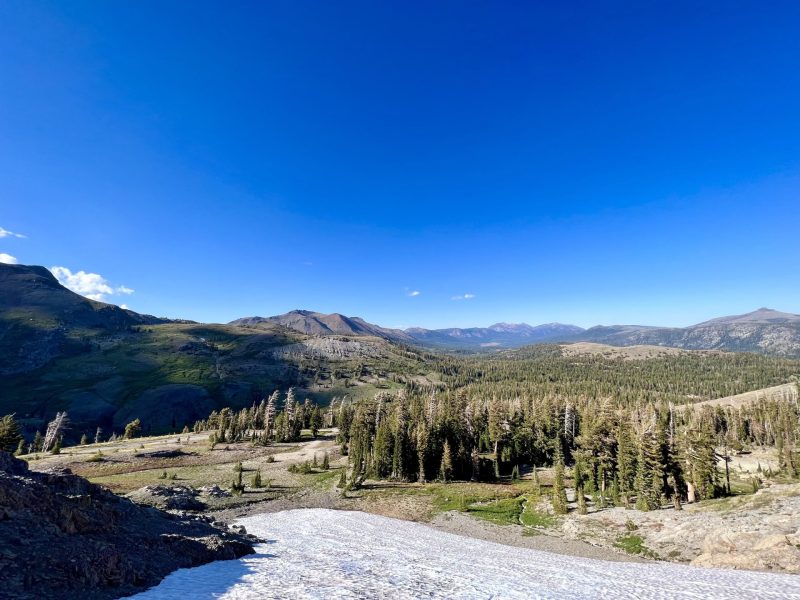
[(316, 323), (763, 315)]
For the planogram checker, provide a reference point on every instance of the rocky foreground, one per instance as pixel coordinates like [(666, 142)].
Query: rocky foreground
[(61, 536)]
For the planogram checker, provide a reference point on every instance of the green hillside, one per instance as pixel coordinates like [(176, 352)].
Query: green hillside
[(105, 365)]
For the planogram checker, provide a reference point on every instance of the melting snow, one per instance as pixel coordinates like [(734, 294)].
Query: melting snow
[(317, 553)]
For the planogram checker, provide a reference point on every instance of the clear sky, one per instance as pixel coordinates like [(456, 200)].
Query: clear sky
[(414, 163)]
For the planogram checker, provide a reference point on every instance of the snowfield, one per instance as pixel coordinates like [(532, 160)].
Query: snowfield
[(318, 553)]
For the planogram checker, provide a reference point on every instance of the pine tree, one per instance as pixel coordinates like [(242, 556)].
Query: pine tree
[(326, 461), (237, 487), (383, 450), (10, 433), (423, 439), (20, 448), (648, 474), (315, 421), (559, 491), (133, 429), (256, 481), (84, 440), (579, 477), (701, 464), (626, 464), (38, 441), (446, 466)]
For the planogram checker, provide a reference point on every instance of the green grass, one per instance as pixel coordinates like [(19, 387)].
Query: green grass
[(531, 517), (504, 511), (326, 478), (634, 544)]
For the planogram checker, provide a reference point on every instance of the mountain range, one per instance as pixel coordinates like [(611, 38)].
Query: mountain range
[(764, 330), (106, 365)]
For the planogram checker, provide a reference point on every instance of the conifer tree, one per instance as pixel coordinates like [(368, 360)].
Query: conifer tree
[(133, 429), (383, 451), (648, 474), (256, 482), (446, 466), (422, 441), (315, 421), (38, 442), (10, 433), (559, 491)]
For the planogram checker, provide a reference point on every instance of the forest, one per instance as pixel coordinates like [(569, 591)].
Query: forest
[(624, 432)]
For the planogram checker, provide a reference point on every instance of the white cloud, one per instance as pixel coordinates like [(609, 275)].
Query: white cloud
[(90, 285), (7, 233), (8, 259), (413, 293), (125, 306), (463, 297)]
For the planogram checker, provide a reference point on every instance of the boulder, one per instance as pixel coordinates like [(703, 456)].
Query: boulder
[(63, 537)]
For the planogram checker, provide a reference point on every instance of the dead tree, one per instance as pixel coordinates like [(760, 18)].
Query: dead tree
[(54, 428)]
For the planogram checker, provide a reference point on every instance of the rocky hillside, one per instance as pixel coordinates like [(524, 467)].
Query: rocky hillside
[(63, 537), (764, 330), (319, 324), (41, 319), (107, 366)]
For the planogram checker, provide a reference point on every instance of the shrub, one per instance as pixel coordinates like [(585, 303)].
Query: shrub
[(303, 468), (256, 482), (237, 487), (133, 429)]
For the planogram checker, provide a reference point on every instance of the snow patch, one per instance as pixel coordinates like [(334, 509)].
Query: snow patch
[(319, 553)]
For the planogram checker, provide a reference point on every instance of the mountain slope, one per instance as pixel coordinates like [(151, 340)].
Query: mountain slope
[(761, 316), (314, 323), (764, 330), (106, 366), (41, 319)]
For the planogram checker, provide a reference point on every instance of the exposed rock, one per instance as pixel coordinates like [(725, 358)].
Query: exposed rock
[(179, 497), (755, 531), (329, 348), (214, 491), (61, 536), (750, 551)]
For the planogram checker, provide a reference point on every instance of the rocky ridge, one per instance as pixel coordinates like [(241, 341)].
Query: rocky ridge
[(61, 536)]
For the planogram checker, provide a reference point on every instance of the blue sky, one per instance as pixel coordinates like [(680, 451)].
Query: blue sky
[(589, 163)]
